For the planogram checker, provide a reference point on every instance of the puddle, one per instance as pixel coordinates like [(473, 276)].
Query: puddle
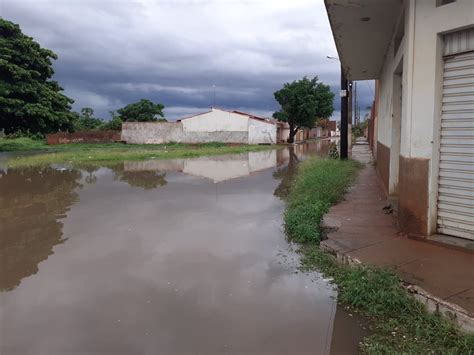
[(180, 256)]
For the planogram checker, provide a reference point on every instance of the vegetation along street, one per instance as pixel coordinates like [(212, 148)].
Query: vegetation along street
[(236, 177)]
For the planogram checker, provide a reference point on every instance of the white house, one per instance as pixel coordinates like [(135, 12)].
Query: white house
[(216, 125), (422, 54)]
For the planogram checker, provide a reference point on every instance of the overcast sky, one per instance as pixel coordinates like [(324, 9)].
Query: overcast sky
[(114, 52)]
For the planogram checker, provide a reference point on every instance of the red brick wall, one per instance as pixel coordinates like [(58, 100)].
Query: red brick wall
[(84, 137)]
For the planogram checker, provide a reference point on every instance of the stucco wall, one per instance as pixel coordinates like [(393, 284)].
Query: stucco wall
[(166, 132), (420, 55), (216, 121), (262, 132), (151, 132), (214, 126)]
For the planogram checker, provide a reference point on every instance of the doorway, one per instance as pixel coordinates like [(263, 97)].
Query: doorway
[(397, 104)]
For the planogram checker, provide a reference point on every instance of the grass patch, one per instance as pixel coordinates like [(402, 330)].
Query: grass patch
[(399, 323), (319, 184), (99, 153), (21, 144)]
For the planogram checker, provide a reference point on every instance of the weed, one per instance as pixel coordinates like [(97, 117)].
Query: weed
[(319, 184), (400, 324), (107, 152)]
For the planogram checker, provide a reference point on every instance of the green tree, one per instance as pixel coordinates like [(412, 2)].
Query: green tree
[(114, 124), (303, 103), (142, 111), (29, 99), (87, 121)]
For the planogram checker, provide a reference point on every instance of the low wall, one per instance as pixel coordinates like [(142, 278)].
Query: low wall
[(83, 137), (167, 132)]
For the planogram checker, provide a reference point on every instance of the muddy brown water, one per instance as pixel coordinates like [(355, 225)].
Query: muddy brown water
[(183, 256)]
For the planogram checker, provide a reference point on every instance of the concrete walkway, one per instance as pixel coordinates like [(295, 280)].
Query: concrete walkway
[(359, 231)]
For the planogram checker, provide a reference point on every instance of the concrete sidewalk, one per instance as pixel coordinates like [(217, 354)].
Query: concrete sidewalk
[(359, 231)]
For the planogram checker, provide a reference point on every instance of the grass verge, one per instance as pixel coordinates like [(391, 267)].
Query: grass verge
[(400, 324), (99, 153), (21, 144)]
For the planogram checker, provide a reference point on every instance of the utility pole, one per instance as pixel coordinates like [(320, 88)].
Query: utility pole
[(346, 94), (355, 104), (344, 116)]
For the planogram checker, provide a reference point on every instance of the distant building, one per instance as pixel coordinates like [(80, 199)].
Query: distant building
[(216, 125), (422, 125)]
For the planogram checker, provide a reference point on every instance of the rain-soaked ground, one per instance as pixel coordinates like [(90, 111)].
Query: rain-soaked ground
[(180, 256)]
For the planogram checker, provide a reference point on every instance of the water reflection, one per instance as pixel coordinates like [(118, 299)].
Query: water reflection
[(287, 174), (215, 168), (146, 179), (186, 267), (226, 167), (33, 202)]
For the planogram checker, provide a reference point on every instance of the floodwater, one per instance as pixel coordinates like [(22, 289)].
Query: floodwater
[(180, 256)]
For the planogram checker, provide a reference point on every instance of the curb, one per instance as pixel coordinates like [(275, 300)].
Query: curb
[(447, 310)]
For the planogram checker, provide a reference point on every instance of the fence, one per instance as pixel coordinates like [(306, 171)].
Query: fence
[(84, 137)]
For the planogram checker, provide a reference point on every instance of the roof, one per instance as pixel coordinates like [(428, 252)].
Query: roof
[(249, 115), (362, 31)]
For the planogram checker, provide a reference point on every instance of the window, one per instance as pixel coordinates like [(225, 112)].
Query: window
[(444, 2)]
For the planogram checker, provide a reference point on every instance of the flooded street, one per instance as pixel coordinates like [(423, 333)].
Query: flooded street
[(160, 257)]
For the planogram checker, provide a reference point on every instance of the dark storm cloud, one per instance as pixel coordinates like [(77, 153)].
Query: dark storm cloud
[(179, 52)]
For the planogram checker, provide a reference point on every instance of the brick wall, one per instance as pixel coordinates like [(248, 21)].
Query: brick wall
[(83, 137)]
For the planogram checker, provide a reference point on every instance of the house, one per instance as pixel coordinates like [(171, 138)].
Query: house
[(421, 52), (333, 129), (216, 125)]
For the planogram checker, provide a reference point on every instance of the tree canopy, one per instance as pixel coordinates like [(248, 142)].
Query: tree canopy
[(141, 111), (303, 103), (29, 99), (86, 120)]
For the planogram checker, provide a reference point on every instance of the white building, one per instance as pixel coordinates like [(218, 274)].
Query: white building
[(422, 54), (216, 125)]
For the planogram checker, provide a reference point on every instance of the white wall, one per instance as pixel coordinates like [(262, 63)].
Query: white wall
[(214, 126), (215, 121), (424, 115), (421, 54), (262, 132)]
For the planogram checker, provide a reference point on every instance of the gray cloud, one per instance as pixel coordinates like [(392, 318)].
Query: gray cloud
[(173, 51)]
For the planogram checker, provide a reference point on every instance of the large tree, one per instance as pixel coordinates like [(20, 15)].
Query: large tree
[(303, 103), (142, 111), (29, 99)]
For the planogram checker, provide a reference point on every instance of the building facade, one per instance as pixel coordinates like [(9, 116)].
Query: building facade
[(216, 125), (421, 52)]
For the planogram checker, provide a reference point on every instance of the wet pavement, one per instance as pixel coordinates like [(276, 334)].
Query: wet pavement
[(443, 275), (160, 257)]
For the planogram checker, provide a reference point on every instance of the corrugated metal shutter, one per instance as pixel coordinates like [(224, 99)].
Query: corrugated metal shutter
[(456, 173), (458, 42)]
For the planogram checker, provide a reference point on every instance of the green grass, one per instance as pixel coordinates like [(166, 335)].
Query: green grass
[(21, 144), (319, 184), (399, 323), (99, 153)]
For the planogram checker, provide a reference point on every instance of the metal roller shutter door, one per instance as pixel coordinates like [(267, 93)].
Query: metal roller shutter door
[(456, 169)]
